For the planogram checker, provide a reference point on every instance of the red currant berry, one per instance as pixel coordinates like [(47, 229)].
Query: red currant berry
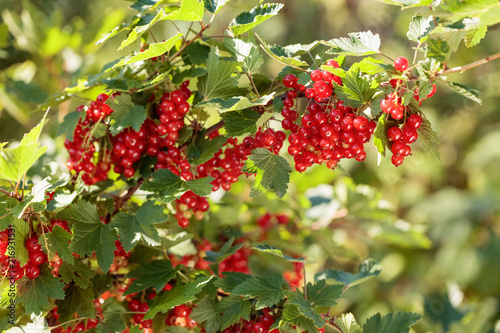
[(401, 64), (32, 271)]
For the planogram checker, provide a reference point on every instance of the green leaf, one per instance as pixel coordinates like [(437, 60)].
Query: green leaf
[(90, 234), (38, 325), (78, 272), (178, 295), (268, 290), (424, 89), (363, 87), (249, 20), (264, 247), (4, 35), (231, 280), (133, 228), (191, 10), (233, 308), (213, 6), (200, 186), (154, 274), (225, 251), (236, 103), (113, 317), (15, 162), (380, 138), (428, 138), (126, 114), (281, 54), (298, 311), (170, 186), (473, 37), (206, 312), (240, 122), (437, 49), (275, 170), (321, 294), (143, 25), (221, 78), (143, 5), (34, 294), (68, 125), (57, 241), (22, 231), (398, 322), (348, 324), (153, 50), (465, 91), (203, 148), (6, 205), (367, 269), (357, 44), (245, 52), (77, 300), (420, 28)]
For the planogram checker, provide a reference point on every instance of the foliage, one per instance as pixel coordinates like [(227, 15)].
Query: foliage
[(155, 227)]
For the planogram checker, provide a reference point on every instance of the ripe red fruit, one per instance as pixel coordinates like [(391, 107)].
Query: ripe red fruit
[(32, 271), (32, 244), (401, 64), (290, 80), (37, 258), (414, 121)]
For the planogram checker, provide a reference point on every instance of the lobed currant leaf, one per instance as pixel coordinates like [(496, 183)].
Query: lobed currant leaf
[(275, 170), (268, 290), (348, 324), (206, 312), (22, 231), (56, 242), (428, 137), (420, 28), (34, 294), (240, 122), (76, 301), (6, 205), (126, 114), (90, 234), (249, 20), (465, 91), (281, 54), (141, 26), (233, 308), (221, 79), (321, 294), (231, 280), (76, 272), (179, 294), (245, 52), (155, 274), (357, 44), (398, 322), (236, 103), (133, 228), (113, 317)]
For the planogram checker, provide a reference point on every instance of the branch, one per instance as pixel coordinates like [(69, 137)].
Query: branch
[(198, 35), (10, 194), (469, 66), (122, 200)]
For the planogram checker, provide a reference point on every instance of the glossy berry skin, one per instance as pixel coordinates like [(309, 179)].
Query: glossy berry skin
[(401, 64), (32, 244), (37, 258), (32, 271)]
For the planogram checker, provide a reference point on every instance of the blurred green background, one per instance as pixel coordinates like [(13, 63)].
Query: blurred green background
[(454, 280)]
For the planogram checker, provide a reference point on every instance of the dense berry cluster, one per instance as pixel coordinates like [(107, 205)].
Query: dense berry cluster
[(237, 262), (188, 205), (137, 306), (328, 131), (294, 278), (179, 316), (121, 258), (11, 267), (36, 258), (402, 137)]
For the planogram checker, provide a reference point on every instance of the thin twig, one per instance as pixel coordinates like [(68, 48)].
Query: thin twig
[(126, 196), (469, 66), (385, 55), (198, 35), (253, 84)]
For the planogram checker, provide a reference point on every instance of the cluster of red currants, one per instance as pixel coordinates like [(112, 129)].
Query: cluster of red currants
[(136, 305), (261, 324), (237, 262), (402, 137), (121, 258), (36, 258), (188, 205), (179, 316), (11, 267)]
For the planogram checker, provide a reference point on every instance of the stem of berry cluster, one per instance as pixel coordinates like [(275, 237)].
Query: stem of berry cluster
[(469, 66), (122, 200)]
